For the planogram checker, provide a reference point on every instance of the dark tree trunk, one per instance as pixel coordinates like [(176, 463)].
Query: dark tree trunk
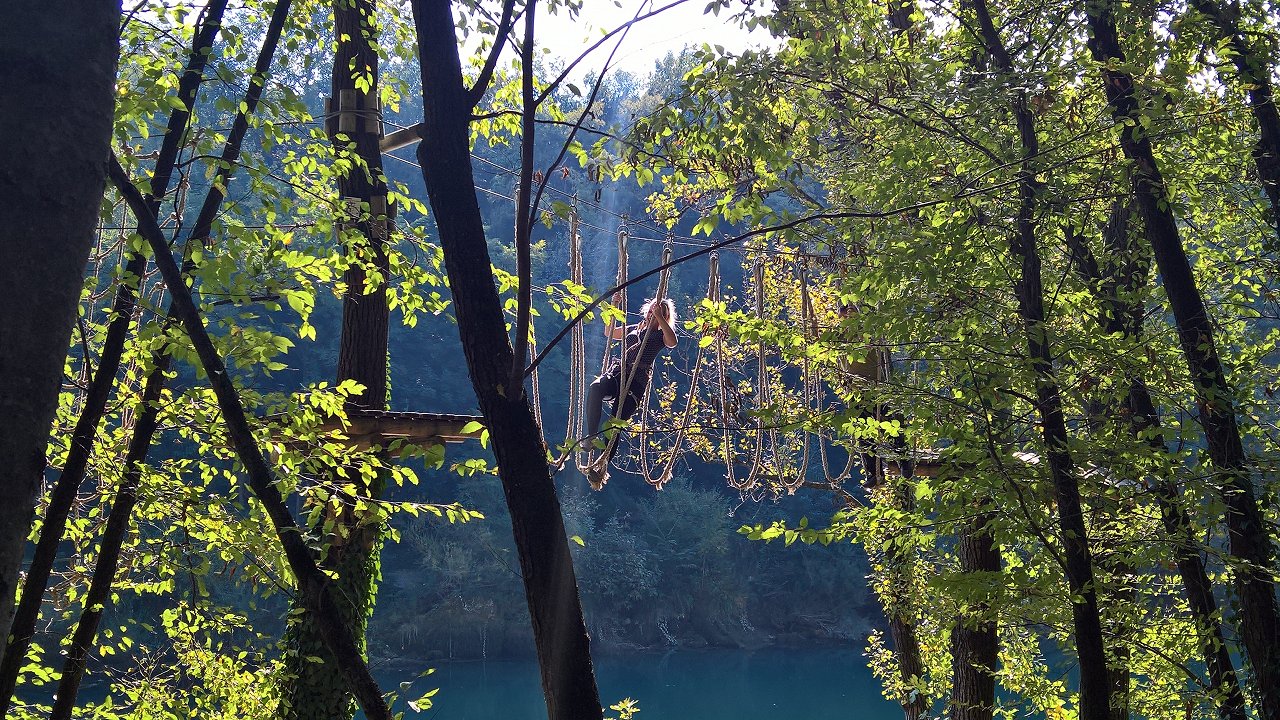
[(363, 353), (903, 564), (564, 657), (1120, 313), (1249, 545), (1094, 679), (975, 644), (124, 303), (57, 68), (897, 578), (900, 563), (314, 691), (104, 572), (1254, 68), (312, 583), (906, 648)]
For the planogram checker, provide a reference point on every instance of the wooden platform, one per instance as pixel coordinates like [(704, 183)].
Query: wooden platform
[(928, 463), (367, 428)]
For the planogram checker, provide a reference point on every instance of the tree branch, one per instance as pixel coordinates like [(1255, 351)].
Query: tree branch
[(313, 585), (481, 86)]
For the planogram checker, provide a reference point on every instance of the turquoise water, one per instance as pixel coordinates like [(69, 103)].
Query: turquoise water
[(769, 684)]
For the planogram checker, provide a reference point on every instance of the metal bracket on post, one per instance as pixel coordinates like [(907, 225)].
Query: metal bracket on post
[(349, 213), (354, 112), (381, 217)]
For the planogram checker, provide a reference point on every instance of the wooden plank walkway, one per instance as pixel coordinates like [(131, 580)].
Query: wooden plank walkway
[(367, 428)]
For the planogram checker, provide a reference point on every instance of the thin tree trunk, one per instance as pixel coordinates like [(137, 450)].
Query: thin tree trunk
[(51, 182), (1249, 545), (1254, 67), (906, 648), (975, 643), (524, 194), (560, 635), (902, 631), (314, 691), (896, 573), (900, 563), (903, 564), (104, 572), (312, 583), (147, 413), (1094, 680), (54, 524), (1120, 313)]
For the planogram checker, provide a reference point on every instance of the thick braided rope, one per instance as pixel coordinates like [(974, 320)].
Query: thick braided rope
[(821, 392), (779, 468), (600, 464), (726, 445), (806, 308), (643, 442), (762, 387), (577, 346), (713, 281), (597, 462), (534, 385)]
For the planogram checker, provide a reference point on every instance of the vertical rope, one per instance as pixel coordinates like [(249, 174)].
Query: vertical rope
[(644, 442), (821, 391), (779, 468), (577, 343), (809, 332), (762, 388), (534, 384), (713, 293), (597, 465), (629, 374), (726, 444)]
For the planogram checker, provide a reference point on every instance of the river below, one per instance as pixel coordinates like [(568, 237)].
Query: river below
[(771, 684)]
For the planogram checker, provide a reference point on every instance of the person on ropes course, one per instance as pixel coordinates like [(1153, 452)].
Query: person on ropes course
[(641, 343)]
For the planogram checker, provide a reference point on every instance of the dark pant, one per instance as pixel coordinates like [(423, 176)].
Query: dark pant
[(606, 387)]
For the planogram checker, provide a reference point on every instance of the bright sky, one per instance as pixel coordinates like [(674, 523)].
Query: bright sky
[(648, 40)]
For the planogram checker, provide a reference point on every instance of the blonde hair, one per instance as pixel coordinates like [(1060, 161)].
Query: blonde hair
[(648, 305)]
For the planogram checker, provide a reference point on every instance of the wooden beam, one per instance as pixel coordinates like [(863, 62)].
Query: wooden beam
[(418, 427), (401, 138)]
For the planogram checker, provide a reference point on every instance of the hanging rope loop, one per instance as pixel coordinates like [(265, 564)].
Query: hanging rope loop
[(577, 343)]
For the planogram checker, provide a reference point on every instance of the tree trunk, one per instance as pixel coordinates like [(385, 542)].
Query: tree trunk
[(312, 583), (1120, 313), (1249, 544), (314, 691), (896, 573), (58, 63), (1094, 680), (902, 629), (123, 306), (564, 657), (1254, 68), (104, 572), (975, 643)]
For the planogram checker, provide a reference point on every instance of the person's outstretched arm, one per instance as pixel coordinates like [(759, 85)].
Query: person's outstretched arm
[(668, 333)]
